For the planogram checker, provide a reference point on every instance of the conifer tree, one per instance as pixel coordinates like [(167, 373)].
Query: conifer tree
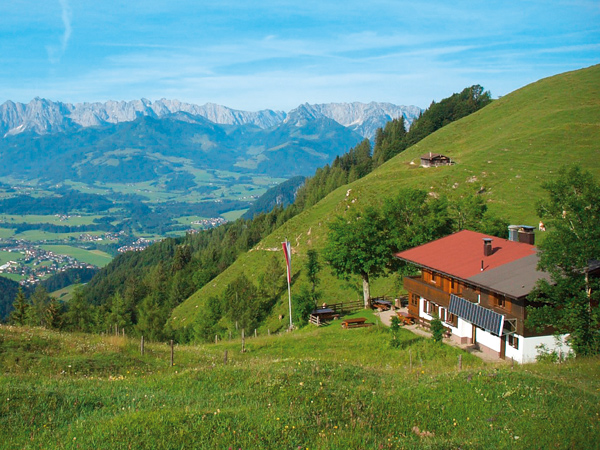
[(37, 312), (18, 315), (78, 316)]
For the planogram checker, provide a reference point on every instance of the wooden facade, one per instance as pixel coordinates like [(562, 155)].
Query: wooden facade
[(435, 160), (478, 286), (437, 288)]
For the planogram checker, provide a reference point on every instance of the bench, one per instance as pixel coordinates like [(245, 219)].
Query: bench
[(355, 323), (381, 305), (406, 318)]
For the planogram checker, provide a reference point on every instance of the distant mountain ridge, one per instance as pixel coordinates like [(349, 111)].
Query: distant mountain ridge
[(41, 116)]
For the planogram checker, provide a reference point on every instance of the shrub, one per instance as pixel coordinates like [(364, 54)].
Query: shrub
[(437, 329)]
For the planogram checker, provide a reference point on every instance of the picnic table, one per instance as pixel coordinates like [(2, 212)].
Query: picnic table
[(325, 314), (355, 323), (406, 318), (380, 304)]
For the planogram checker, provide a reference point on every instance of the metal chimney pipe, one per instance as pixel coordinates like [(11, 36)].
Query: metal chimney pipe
[(487, 246)]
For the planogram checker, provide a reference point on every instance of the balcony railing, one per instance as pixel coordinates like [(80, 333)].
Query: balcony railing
[(427, 291)]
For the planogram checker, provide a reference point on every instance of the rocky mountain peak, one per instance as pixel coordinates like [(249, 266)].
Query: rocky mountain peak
[(42, 116)]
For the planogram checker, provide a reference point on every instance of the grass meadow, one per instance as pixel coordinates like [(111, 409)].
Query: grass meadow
[(96, 257), (323, 388)]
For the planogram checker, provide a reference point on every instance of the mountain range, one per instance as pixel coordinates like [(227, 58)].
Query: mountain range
[(144, 141), (41, 116)]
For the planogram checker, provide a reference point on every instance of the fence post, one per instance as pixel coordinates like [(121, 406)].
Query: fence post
[(172, 354), (459, 362), (142, 346), (255, 332), (216, 338), (116, 330), (243, 341)]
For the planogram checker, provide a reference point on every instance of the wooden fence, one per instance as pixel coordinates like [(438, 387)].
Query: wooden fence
[(338, 309), (347, 307)]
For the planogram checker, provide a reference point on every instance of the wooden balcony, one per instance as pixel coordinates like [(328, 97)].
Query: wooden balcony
[(427, 291)]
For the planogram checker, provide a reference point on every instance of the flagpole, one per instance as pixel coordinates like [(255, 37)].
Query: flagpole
[(290, 300), (287, 251)]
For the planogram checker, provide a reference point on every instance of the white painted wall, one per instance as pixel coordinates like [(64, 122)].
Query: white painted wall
[(488, 339), (513, 353), (527, 351), (530, 351), (422, 312), (465, 329)]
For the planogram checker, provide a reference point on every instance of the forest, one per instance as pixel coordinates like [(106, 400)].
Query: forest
[(138, 290)]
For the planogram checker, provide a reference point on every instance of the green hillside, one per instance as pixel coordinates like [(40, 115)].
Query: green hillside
[(504, 151)]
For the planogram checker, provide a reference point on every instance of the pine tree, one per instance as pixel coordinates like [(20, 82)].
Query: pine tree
[(78, 316), (55, 314), (18, 315), (37, 312)]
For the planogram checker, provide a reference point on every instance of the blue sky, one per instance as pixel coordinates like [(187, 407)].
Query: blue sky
[(277, 54)]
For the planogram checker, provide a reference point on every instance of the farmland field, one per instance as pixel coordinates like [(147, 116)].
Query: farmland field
[(95, 257), (53, 219), (9, 256)]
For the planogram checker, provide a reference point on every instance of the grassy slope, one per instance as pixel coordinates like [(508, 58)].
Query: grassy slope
[(509, 148), (316, 388)]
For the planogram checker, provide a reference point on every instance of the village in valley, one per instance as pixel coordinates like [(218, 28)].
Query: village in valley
[(33, 264)]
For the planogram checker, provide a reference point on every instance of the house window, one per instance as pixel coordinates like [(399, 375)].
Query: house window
[(452, 319), (443, 314), (513, 341), (501, 302)]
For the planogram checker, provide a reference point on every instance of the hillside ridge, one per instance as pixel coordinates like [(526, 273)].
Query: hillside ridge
[(504, 152)]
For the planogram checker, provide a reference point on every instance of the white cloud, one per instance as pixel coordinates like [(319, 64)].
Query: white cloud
[(55, 52)]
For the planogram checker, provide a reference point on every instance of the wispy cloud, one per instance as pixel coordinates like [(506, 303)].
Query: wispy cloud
[(55, 52)]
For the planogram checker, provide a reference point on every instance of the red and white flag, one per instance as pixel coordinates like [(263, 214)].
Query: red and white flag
[(287, 252)]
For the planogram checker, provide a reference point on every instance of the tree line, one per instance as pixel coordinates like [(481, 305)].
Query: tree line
[(138, 290)]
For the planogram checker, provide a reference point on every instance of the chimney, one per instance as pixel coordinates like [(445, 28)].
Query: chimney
[(487, 246), (526, 235), (513, 233)]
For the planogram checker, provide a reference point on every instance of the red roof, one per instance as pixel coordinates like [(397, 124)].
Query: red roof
[(460, 254)]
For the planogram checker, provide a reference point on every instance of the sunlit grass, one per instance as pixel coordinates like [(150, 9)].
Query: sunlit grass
[(322, 388)]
